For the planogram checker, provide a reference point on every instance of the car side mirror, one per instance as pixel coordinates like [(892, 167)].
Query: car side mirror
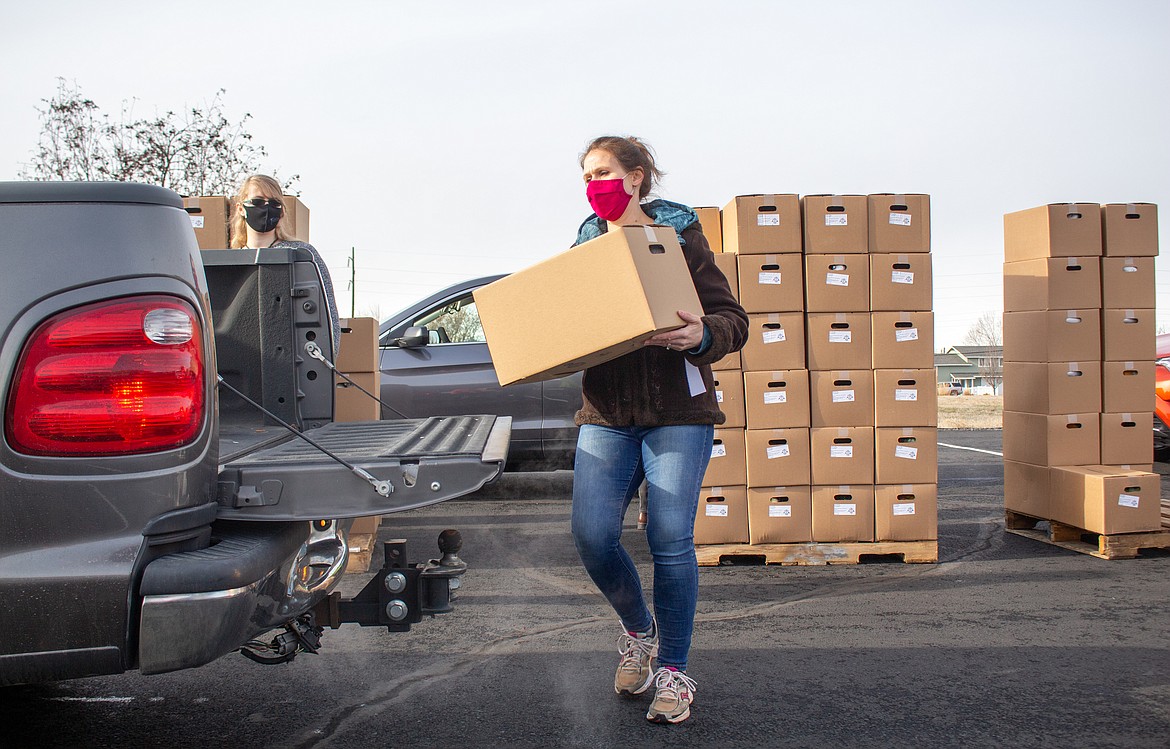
[(415, 337)]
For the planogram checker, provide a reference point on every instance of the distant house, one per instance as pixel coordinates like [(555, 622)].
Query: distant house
[(979, 369)]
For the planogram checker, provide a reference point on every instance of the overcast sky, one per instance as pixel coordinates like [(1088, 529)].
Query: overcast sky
[(440, 140)]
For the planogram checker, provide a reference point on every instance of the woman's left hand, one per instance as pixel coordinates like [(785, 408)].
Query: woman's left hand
[(682, 339)]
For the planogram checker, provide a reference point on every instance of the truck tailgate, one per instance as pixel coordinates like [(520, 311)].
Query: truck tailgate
[(424, 460)]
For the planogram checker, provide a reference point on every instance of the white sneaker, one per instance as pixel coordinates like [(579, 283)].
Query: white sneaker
[(673, 696), (633, 671)]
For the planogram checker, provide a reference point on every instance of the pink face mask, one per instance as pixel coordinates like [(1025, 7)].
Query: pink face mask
[(608, 198)]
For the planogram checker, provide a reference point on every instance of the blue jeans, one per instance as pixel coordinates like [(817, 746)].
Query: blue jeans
[(610, 465)]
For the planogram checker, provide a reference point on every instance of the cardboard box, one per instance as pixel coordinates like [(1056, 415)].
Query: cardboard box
[(728, 464), (901, 282), (726, 262), (729, 396), (1053, 387), (723, 516), (842, 513), (839, 340), (1128, 282), (1126, 438), (1052, 336), (296, 218), (1052, 283), (711, 220), (1026, 489), (905, 397), (771, 283), (842, 454), (729, 362), (1106, 499), (903, 340), (603, 298), (777, 457), (1128, 334), (351, 404), (762, 224), (209, 220), (899, 223), (906, 512), (841, 398), (359, 345), (835, 224), (836, 283), (1130, 229), (906, 455), (780, 514), (1052, 440), (775, 341), (1056, 230), (777, 399), (1126, 385)]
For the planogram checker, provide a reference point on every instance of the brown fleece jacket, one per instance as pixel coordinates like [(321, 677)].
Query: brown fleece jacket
[(649, 387)]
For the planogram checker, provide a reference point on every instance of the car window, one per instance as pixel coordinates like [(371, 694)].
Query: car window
[(454, 322)]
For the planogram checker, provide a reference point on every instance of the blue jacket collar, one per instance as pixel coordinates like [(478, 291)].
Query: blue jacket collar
[(662, 211)]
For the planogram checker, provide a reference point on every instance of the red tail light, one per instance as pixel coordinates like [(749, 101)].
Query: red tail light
[(113, 378)]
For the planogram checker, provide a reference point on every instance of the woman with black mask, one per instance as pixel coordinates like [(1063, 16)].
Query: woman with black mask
[(258, 223)]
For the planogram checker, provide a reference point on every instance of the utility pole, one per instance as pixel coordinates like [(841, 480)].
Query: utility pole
[(352, 283)]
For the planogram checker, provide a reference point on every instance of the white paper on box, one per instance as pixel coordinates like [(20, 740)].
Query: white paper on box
[(718, 396), (767, 219), (902, 276), (694, 379), (837, 279), (902, 394), (842, 508), (841, 451), (770, 278), (779, 511), (196, 222), (777, 451), (907, 334), (774, 336), (1127, 500), (836, 219), (840, 336), (903, 451), (844, 396), (900, 219), (716, 510), (775, 396), (718, 451), (903, 508)]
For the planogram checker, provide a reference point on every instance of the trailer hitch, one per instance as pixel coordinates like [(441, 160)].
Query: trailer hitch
[(400, 594)]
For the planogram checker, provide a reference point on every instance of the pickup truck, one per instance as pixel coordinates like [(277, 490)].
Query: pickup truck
[(173, 487)]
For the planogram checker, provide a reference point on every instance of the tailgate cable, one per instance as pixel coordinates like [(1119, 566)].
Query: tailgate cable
[(314, 352), (383, 488)]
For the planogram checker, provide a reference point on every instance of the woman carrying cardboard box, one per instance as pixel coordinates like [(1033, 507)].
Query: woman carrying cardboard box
[(650, 415)]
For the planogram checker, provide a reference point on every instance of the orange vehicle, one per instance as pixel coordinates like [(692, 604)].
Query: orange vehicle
[(1162, 398)]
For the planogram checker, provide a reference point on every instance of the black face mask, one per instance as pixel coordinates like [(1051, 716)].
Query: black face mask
[(263, 218)]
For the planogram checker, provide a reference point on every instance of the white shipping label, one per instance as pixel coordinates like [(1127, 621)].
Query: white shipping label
[(902, 394), (902, 276), (844, 508), (900, 219), (774, 336), (770, 278), (841, 451), (844, 396), (840, 336), (779, 511), (718, 396), (716, 510), (837, 279), (903, 451), (777, 451), (836, 219), (1127, 500), (718, 451), (903, 508), (777, 396), (767, 219), (906, 334), (196, 222)]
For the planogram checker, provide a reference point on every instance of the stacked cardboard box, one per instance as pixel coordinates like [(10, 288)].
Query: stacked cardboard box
[(358, 359), (1078, 365), (821, 308), (211, 219)]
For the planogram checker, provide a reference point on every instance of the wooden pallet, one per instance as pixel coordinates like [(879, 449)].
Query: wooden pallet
[(814, 554), (362, 538), (1101, 545)]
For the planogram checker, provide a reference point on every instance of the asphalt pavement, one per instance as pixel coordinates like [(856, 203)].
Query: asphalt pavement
[(1005, 642)]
